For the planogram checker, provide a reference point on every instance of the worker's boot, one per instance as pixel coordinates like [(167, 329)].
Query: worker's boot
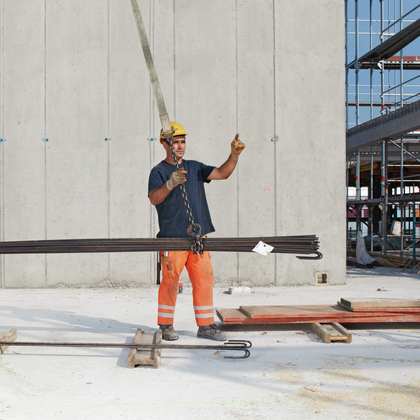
[(168, 332), (211, 332)]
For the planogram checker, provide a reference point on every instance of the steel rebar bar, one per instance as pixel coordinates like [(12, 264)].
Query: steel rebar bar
[(301, 245), (239, 345)]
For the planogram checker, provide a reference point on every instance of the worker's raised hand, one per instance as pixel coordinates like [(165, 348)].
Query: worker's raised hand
[(237, 146), (177, 177)]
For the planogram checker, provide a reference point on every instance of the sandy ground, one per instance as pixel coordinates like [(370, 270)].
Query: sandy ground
[(291, 373)]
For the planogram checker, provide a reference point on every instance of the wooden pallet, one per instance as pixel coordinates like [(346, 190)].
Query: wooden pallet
[(145, 357), (331, 332)]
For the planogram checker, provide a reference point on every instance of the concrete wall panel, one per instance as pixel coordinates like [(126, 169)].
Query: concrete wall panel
[(23, 127), (129, 152), (310, 127), (256, 165), (2, 259), (77, 153)]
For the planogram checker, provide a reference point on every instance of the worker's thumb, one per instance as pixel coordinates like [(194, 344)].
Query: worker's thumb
[(237, 146)]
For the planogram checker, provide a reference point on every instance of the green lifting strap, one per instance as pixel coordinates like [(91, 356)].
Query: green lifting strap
[(163, 114)]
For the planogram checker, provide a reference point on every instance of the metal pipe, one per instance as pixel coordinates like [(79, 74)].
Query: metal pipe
[(382, 63), (402, 165), (371, 196), (371, 70), (401, 57), (347, 60), (347, 200), (385, 209), (405, 151), (358, 192), (357, 59), (414, 230)]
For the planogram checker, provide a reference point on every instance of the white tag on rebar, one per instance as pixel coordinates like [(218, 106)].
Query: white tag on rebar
[(262, 248)]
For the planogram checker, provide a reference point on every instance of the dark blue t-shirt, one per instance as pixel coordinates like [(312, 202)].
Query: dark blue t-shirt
[(172, 213)]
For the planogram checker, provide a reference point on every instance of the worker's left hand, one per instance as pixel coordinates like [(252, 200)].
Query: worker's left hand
[(237, 146)]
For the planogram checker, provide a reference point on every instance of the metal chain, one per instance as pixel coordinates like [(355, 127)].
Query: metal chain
[(195, 229)]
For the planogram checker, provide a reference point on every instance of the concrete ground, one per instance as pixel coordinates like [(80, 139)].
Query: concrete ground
[(291, 373)]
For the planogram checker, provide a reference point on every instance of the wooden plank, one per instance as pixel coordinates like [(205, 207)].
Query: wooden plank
[(389, 260), (145, 357), (231, 314), (378, 303), (386, 263), (291, 310), (378, 317), (335, 313), (8, 337), (331, 332)]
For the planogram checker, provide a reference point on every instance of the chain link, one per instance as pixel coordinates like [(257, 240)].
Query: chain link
[(195, 229)]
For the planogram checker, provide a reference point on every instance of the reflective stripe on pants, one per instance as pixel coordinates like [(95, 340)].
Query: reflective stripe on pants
[(201, 276)]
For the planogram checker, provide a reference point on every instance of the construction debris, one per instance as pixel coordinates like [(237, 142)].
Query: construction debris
[(239, 290), (8, 337), (389, 260)]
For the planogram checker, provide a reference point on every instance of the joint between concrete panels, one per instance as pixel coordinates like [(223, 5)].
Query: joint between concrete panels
[(275, 281), (237, 130), (46, 141), (108, 139), (152, 262)]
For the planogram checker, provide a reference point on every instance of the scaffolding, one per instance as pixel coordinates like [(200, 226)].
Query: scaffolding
[(382, 113)]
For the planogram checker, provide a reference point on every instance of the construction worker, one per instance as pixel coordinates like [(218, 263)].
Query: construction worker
[(166, 195)]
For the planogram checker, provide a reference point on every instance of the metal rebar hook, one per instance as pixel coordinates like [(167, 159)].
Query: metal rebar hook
[(318, 257), (245, 356), (243, 345)]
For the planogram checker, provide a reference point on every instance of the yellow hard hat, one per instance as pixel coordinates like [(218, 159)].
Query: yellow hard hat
[(179, 130)]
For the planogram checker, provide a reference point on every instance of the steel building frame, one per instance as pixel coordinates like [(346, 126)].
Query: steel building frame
[(390, 138)]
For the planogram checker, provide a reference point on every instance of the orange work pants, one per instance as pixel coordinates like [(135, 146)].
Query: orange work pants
[(201, 276)]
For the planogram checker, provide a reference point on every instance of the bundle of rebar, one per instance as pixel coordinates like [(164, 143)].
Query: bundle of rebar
[(300, 245)]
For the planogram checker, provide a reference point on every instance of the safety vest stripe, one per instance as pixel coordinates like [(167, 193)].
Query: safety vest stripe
[(203, 308), (166, 307), (204, 315), (165, 315)]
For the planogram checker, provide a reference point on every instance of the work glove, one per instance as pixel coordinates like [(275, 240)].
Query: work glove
[(177, 177), (236, 146)]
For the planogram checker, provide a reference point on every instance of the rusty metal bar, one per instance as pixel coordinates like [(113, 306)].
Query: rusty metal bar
[(239, 345), (301, 245)]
